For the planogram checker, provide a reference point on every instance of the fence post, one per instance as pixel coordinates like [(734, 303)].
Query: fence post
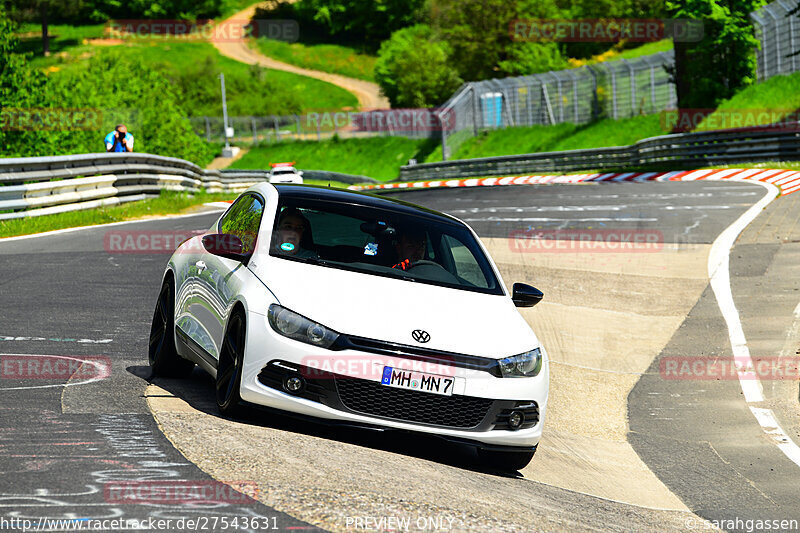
[(613, 93), (474, 101), (255, 131), (530, 105), (777, 41), (297, 127), (652, 89), (595, 97), (560, 97), (277, 129), (445, 155), (791, 33), (547, 105), (761, 53), (632, 74), (574, 96)]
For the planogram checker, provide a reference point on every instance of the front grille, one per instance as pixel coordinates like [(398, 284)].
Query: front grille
[(419, 353), (529, 408), (372, 398)]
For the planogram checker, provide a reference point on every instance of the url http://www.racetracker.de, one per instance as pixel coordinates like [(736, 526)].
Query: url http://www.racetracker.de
[(200, 523)]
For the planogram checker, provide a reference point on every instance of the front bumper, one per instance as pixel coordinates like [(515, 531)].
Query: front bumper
[(345, 386)]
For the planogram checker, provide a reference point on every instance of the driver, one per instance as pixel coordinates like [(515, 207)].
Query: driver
[(410, 248), (293, 234)]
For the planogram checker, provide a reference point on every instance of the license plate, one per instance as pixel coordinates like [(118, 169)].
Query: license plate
[(406, 379)]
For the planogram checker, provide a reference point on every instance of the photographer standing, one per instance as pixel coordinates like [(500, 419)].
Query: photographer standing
[(119, 140)]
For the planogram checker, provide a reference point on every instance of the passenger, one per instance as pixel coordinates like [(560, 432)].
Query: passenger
[(293, 235), (410, 248)]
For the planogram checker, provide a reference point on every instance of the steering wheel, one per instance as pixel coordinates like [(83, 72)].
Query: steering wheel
[(424, 262)]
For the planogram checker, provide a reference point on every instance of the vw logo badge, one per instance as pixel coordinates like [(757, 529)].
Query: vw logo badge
[(420, 335)]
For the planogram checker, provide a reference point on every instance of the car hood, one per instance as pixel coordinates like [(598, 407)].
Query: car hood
[(389, 309)]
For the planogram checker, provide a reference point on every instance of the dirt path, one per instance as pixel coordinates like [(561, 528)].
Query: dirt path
[(368, 93)]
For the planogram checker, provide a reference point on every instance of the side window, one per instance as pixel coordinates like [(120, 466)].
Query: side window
[(467, 266), (243, 220)]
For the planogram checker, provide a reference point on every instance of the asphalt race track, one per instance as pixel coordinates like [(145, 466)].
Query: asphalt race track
[(625, 447)]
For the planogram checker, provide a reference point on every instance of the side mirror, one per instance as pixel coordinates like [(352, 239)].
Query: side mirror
[(225, 245), (525, 296)]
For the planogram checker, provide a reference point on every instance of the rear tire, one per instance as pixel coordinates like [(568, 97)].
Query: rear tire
[(229, 368), (509, 461), (162, 355)]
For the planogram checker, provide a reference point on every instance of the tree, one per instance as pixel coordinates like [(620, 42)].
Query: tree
[(366, 23), (414, 70), (42, 11), (21, 86), (479, 37), (722, 62)]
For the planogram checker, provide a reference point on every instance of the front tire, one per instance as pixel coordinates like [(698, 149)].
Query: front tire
[(509, 461), (162, 355), (229, 369)]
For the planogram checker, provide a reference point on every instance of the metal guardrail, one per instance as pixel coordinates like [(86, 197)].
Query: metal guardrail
[(36, 186), (667, 151)]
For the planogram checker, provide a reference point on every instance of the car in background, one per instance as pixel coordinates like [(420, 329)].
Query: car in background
[(285, 173), (357, 309)]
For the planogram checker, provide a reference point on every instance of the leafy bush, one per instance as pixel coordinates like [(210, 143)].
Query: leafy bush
[(21, 87), (414, 70), (108, 90), (723, 62), (356, 22)]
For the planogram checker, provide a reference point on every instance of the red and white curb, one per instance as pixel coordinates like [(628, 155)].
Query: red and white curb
[(788, 181)]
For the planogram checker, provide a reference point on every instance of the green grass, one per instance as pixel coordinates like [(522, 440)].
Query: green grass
[(64, 40), (565, 136), (645, 49), (167, 203), (282, 92), (311, 94), (376, 157), (325, 57), (759, 104)]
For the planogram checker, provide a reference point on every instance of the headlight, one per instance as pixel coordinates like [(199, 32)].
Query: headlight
[(526, 364), (297, 327)]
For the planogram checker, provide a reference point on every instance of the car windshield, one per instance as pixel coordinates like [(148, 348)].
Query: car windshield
[(381, 241)]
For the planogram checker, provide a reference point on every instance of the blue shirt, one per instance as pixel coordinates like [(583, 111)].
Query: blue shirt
[(110, 140)]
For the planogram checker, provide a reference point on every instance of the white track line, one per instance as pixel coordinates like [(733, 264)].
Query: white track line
[(80, 228), (103, 371), (766, 419), (718, 271)]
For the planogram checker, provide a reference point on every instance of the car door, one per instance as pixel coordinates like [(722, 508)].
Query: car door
[(219, 279)]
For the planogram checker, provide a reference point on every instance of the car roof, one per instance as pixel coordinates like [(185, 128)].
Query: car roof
[(316, 192)]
